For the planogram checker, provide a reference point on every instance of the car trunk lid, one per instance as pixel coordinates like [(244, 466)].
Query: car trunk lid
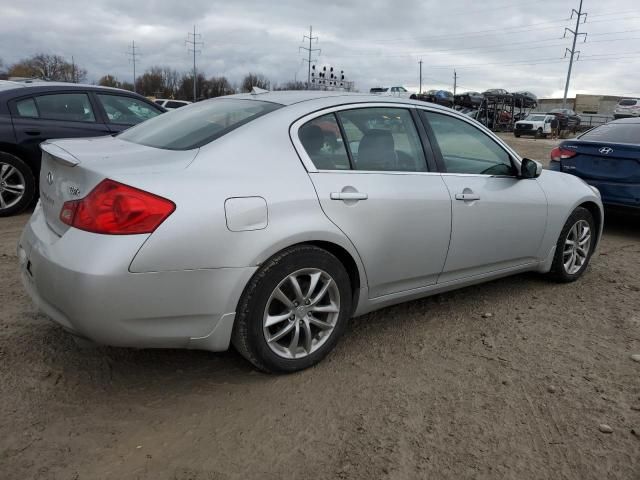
[(604, 161), (72, 168)]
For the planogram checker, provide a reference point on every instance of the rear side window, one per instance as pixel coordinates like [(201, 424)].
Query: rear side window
[(72, 107), (627, 103), (172, 104), (383, 139), (198, 124), (323, 143), (614, 132), (27, 108), (126, 110)]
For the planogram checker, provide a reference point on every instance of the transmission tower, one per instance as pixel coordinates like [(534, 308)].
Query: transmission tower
[(133, 59), (579, 14), (193, 42), (310, 51)]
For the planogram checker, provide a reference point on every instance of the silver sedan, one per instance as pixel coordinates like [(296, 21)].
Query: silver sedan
[(267, 220)]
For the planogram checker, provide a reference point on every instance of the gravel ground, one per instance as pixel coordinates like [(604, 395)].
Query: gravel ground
[(513, 379)]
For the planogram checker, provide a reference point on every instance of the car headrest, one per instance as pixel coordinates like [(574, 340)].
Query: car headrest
[(376, 150)]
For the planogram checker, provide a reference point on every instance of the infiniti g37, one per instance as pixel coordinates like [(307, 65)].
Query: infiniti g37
[(265, 221)]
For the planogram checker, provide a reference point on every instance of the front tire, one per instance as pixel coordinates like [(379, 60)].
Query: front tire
[(293, 311), (575, 246), (17, 185)]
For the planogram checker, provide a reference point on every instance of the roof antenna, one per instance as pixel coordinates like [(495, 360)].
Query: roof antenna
[(258, 91)]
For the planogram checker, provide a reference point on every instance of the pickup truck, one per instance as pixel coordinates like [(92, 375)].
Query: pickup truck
[(536, 124)]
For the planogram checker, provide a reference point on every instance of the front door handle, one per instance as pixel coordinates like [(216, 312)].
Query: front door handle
[(32, 132), (348, 196), (467, 197)]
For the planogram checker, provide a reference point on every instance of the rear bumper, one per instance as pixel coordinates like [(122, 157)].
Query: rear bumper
[(612, 193), (82, 282)]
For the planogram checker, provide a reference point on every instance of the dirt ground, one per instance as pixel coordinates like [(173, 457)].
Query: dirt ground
[(509, 380)]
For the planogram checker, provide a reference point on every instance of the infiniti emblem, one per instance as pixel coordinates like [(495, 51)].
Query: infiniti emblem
[(50, 178), (606, 150)]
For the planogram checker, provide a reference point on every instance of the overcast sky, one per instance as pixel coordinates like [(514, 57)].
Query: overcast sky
[(516, 44)]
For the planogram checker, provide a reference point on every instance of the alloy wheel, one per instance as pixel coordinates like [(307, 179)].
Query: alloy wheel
[(12, 185), (576, 247), (301, 313)]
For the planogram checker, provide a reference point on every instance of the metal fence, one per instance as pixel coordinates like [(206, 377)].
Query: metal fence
[(588, 121)]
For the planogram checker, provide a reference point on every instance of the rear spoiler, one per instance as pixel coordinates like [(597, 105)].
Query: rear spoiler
[(59, 154)]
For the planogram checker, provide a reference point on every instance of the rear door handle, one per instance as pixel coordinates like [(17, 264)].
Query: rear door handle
[(467, 197), (348, 196)]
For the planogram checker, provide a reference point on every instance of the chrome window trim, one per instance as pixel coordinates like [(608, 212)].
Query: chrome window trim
[(311, 168)]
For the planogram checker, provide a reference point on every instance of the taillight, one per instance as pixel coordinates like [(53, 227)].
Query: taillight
[(113, 208), (560, 153)]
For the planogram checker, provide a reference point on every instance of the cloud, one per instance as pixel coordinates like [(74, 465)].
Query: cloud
[(516, 45)]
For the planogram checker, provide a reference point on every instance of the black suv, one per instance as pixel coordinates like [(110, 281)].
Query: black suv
[(31, 113)]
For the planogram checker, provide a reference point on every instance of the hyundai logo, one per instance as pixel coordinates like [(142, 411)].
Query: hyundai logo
[(50, 178), (606, 150)]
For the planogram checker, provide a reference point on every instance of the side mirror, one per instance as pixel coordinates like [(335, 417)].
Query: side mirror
[(530, 168)]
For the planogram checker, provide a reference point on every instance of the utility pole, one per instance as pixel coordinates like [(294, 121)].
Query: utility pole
[(573, 51), (420, 91), (310, 51), (455, 82), (193, 39), (133, 59)]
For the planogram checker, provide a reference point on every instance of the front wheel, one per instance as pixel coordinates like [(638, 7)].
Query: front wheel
[(575, 246), (293, 311), (17, 185)]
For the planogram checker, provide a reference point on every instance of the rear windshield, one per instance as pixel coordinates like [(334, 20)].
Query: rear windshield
[(614, 132), (627, 103), (536, 118), (197, 124)]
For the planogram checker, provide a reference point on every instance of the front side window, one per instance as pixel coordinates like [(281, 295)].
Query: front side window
[(173, 104), (27, 108), (323, 143), (126, 110), (73, 107), (383, 139), (466, 149), (197, 125)]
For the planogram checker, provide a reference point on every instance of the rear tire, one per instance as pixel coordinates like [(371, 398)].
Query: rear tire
[(17, 185), (272, 312), (574, 247)]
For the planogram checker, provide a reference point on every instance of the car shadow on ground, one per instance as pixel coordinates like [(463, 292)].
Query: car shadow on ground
[(123, 369)]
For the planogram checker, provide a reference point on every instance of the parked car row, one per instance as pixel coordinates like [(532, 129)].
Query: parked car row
[(31, 113)]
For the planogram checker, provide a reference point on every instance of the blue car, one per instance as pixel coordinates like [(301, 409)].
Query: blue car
[(607, 157)]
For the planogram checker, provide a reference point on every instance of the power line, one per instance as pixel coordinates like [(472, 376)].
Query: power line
[(310, 51), (194, 42), (133, 59), (576, 34)]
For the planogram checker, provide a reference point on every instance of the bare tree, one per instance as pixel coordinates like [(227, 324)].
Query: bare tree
[(159, 81), (218, 86), (254, 80), (48, 67), (109, 81), (292, 85)]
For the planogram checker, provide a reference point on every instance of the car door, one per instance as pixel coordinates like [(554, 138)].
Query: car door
[(498, 219), (372, 178), (122, 111), (53, 115)]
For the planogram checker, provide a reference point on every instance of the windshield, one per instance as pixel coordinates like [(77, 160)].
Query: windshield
[(377, 90), (198, 124), (614, 132), (627, 103), (536, 118)]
